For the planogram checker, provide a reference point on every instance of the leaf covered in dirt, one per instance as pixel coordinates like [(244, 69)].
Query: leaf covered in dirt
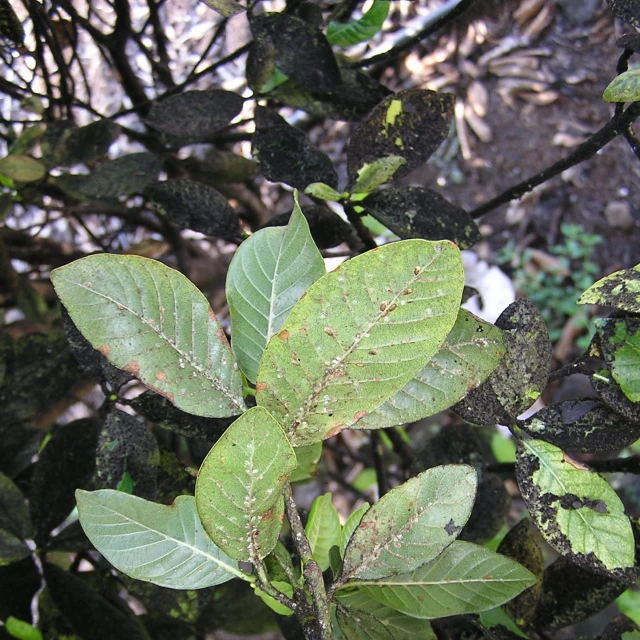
[(10, 25), (123, 176), (627, 10), (575, 509), (520, 544), (285, 153), (227, 8), (410, 124), (570, 593), (194, 116), (300, 50), (522, 374), (620, 289), (417, 212), (193, 205), (583, 425), (612, 395), (66, 463)]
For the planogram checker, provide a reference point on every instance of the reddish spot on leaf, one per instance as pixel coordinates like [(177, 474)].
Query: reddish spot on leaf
[(359, 415), (303, 331), (261, 386), (161, 375), (212, 315), (267, 515), (220, 334), (330, 332), (574, 463), (104, 350), (132, 367), (284, 335), (335, 430)]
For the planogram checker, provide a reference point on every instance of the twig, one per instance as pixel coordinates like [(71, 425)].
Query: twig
[(613, 128), (319, 628)]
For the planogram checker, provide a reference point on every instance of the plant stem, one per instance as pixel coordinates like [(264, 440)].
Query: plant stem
[(320, 626)]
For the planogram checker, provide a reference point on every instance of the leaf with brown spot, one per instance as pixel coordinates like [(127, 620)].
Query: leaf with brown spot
[(152, 318)]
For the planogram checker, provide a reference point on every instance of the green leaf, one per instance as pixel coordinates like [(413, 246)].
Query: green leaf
[(371, 176), (346, 34), (240, 483), (21, 629), (620, 289), (271, 602), (411, 524), (629, 604), (576, 510), (624, 88), (324, 192), (351, 525), (151, 321), (399, 625), (12, 548), (14, 513), (267, 276), (358, 336), (498, 618), (163, 545), (470, 353), (307, 458), (620, 344), (323, 529), (22, 168), (358, 624), (465, 578)]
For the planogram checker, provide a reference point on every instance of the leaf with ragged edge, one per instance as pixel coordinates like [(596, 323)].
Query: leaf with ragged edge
[(268, 274), (285, 153), (411, 524), (150, 320), (194, 116), (624, 88), (240, 483), (399, 625), (358, 336), (22, 168), (346, 34), (620, 345), (323, 529), (153, 542), (570, 594), (464, 578), (351, 525), (193, 205), (575, 509), (228, 8), (417, 212), (584, 425), (371, 176), (410, 124), (470, 353), (520, 377), (620, 289), (627, 10)]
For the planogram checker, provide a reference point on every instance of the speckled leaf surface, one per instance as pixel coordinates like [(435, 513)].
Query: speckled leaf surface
[(399, 625), (520, 377), (583, 425), (624, 88), (464, 578), (228, 8), (575, 509), (240, 483), (411, 524), (620, 344), (620, 289), (268, 274), (410, 124), (358, 336), (470, 353), (153, 542), (626, 10), (371, 176), (417, 212), (150, 320)]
